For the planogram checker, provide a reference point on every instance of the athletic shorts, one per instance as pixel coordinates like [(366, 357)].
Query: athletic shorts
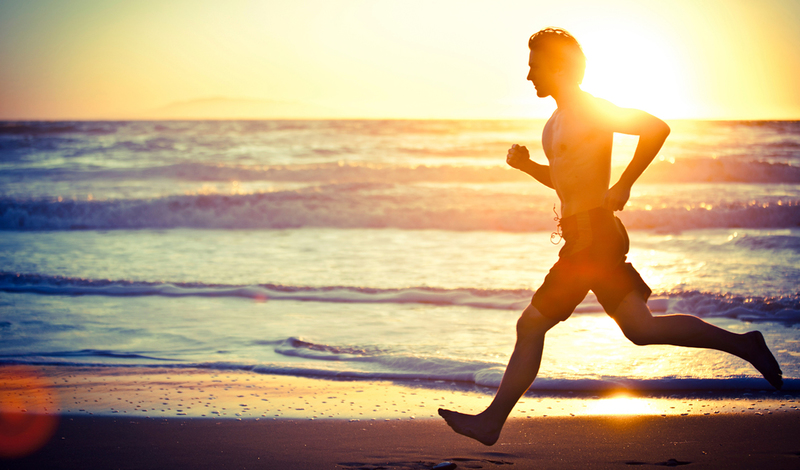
[(593, 258)]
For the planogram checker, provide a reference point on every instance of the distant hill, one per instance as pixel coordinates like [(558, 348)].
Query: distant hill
[(239, 108)]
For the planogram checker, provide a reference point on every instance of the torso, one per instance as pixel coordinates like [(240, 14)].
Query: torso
[(579, 152)]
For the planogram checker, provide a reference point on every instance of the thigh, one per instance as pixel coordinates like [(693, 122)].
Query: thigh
[(614, 283), (632, 314), (564, 287)]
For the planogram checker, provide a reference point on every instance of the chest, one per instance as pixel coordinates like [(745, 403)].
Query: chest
[(567, 135)]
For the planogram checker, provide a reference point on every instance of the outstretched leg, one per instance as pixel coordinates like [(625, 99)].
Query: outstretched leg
[(522, 368), (641, 327)]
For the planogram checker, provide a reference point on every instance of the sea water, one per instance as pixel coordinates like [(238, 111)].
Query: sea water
[(378, 249)]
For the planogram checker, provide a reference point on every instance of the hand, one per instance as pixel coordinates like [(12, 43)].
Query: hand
[(616, 197), (517, 156)]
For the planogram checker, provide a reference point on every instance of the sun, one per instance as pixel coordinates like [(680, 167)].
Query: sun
[(636, 68)]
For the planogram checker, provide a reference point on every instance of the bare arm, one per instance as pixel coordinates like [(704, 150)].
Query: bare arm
[(652, 133), (519, 158)]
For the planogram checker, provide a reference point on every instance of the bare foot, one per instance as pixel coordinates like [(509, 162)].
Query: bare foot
[(472, 426), (763, 360)]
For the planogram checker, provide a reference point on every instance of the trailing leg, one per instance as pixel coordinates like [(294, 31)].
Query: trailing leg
[(641, 327)]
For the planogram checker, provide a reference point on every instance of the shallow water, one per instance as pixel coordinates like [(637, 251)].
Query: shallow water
[(372, 249)]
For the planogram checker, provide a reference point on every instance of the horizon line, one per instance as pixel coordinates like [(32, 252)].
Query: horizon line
[(176, 119)]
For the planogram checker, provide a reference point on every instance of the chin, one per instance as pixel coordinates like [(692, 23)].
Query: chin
[(542, 93)]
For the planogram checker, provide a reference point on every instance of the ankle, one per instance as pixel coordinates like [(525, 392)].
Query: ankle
[(492, 419)]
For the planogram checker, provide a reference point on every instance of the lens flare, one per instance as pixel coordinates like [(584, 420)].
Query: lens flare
[(27, 412)]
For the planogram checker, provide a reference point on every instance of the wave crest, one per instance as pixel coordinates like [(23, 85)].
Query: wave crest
[(367, 205), (782, 309)]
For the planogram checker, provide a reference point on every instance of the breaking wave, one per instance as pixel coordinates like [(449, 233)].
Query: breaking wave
[(329, 361), (368, 205), (781, 309)]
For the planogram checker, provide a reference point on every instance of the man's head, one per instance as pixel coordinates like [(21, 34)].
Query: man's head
[(556, 59)]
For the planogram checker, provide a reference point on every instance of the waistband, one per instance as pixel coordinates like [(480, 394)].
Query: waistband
[(585, 221)]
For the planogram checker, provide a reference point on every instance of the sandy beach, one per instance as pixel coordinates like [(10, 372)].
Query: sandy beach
[(727, 441), (168, 418), (289, 235)]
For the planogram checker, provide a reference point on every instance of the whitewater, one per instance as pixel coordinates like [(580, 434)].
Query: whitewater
[(402, 250)]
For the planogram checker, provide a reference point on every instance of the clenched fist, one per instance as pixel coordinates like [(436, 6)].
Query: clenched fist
[(518, 156)]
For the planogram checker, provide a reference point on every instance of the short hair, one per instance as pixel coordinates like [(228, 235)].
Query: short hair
[(564, 48)]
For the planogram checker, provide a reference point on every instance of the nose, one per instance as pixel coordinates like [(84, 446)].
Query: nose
[(530, 75)]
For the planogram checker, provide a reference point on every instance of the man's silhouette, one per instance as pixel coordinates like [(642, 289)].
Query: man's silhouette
[(577, 141)]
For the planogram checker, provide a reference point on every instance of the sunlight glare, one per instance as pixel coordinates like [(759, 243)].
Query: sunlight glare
[(620, 405), (635, 69)]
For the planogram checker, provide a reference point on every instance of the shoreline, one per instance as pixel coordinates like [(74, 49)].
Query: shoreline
[(199, 393)]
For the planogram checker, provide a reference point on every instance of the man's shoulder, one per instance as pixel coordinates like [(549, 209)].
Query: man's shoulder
[(588, 106), (602, 113), (600, 105)]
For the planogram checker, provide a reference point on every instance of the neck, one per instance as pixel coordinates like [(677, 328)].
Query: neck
[(567, 96)]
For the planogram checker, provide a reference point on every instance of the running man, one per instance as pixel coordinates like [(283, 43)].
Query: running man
[(577, 141)]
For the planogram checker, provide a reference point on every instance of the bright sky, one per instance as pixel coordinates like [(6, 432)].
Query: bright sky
[(97, 59)]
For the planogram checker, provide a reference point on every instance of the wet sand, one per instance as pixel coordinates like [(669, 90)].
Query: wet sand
[(722, 441), (167, 418)]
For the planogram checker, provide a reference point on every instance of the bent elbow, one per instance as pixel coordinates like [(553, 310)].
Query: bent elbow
[(664, 129), (657, 131)]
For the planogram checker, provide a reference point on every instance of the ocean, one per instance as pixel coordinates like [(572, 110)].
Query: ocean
[(401, 250)]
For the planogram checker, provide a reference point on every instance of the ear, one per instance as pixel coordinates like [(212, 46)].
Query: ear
[(559, 71), (556, 64)]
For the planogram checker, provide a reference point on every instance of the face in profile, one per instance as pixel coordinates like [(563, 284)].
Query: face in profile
[(541, 73)]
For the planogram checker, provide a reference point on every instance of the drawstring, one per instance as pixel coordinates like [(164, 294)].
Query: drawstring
[(557, 236)]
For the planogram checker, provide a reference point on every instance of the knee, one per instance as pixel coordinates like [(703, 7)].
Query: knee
[(636, 321), (638, 338), (524, 326), (531, 322), (638, 335)]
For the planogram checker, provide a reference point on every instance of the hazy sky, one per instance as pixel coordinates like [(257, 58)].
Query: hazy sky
[(89, 59)]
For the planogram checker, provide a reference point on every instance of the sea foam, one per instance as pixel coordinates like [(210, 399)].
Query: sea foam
[(368, 205), (781, 309)]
